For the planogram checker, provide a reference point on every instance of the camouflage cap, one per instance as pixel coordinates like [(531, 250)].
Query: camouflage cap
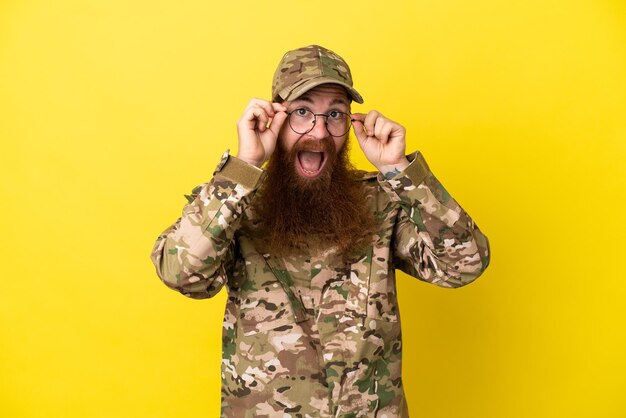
[(304, 68)]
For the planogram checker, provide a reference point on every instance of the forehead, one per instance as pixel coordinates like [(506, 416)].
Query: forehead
[(325, 94)]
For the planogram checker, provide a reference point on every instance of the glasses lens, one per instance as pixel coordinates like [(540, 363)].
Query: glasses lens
[(301, 120), (338, 123)]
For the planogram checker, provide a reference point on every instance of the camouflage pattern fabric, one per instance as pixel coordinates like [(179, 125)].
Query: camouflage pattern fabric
[(315, 335), (304, 68)]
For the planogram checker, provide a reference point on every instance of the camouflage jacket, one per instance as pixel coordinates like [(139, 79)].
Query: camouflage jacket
[(313, 335)]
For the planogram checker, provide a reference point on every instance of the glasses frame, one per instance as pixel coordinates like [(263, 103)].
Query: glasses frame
[(315, 115)]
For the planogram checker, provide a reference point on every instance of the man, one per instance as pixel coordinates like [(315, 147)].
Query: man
[(308, 248)]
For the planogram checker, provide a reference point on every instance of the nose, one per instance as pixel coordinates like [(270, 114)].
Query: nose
[(319, 131)]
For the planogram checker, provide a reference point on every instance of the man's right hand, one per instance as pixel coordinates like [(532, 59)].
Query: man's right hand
[(257, 140)]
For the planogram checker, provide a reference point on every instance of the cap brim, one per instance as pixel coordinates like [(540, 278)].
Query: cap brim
[(307, 85)]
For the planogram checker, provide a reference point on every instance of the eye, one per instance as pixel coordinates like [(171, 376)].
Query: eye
[(301, 112), (334, 114)]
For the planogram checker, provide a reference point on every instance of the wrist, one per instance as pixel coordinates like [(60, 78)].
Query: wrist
[(390, 170)]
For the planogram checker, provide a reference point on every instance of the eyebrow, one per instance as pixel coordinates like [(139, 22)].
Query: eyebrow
[(307, 99)]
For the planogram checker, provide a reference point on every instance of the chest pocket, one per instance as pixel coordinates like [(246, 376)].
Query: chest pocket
[(267, 301), (364, 289)]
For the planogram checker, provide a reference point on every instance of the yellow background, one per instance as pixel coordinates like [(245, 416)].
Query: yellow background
[(112, 110)]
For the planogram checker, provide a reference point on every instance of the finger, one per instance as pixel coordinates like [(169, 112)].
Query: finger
[(254, 102), (382, 129), (359, 130), (279, 107), (263, 104), (260, 118), (277, 122), (358, 117), (357, 120), (267, 106), (248, 120), (370, 121), (385, 132)]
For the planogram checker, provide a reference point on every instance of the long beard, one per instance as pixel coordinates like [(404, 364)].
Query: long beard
[(296, 213)]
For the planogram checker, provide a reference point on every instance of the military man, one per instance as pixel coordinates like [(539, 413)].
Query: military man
[(307, 247)]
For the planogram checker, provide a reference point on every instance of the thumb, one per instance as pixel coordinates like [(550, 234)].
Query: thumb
[(277, 122), (359, 130)]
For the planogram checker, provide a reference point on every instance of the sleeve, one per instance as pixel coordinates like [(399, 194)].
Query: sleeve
[(195, 255), (434, 239)]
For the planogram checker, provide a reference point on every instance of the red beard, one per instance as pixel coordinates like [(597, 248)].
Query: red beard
[(330, 210)]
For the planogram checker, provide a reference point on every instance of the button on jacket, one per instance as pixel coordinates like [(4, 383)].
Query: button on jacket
[(316, 334)]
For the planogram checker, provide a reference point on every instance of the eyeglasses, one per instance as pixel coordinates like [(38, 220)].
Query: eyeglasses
[(302, 121)]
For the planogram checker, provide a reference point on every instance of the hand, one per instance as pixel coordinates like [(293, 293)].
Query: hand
[(382, 140), (257, 140)]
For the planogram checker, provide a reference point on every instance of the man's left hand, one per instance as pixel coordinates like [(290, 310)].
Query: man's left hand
[(382, 140)]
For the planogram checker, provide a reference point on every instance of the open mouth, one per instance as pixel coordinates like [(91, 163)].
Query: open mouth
[(310, 164)]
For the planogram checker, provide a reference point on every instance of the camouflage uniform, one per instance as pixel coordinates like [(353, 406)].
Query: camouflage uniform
[(315, 335)]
